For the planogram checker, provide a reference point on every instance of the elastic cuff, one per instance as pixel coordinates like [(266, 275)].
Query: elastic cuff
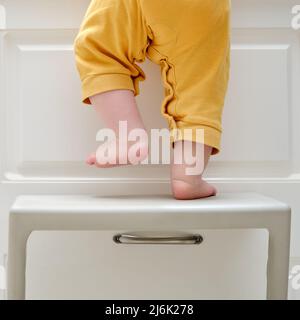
[(95, 84), (210, 136)]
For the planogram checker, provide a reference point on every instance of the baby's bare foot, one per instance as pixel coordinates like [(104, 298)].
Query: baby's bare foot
[(183, 190), (119, 112), (108, 155), (187, 186)]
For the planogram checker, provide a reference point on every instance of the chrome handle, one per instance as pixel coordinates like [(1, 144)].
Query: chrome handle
[(175, 239)]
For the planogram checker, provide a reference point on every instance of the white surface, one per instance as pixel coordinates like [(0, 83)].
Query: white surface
[(222, 203), (2, 278), (294, 279), (229, 264)]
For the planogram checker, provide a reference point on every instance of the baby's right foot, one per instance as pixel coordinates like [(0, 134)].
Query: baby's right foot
[(108, 154), (183, 190), (186, 186)]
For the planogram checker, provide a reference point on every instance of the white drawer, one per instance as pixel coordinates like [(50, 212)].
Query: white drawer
[(228, 264)]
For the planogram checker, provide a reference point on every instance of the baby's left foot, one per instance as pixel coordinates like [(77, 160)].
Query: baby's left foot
[(118, 157)]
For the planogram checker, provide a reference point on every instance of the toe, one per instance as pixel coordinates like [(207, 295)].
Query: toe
[(91, 159)]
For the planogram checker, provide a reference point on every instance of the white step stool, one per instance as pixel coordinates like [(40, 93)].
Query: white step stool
[(152, 214)]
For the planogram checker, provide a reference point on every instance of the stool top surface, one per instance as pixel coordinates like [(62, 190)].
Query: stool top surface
[(222, 202)]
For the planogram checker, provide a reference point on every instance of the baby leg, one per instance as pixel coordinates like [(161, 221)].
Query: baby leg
[(113, 36), (113, 107), (194, 54)]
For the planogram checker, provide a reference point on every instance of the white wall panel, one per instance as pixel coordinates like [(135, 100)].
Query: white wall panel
[(257, 109)]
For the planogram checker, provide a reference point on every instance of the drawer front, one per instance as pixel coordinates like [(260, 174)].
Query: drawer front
[(227, 264)]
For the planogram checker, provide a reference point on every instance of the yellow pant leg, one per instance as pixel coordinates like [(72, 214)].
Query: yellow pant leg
[(111, 38), (191, 42)]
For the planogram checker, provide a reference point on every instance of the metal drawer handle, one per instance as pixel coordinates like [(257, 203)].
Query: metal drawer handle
[(135, 239)]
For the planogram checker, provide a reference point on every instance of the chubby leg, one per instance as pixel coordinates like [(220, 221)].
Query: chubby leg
[(112, 107), (186, 186)]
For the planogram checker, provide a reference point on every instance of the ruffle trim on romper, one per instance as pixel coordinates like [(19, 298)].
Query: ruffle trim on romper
[(169, 81), (168, 77)]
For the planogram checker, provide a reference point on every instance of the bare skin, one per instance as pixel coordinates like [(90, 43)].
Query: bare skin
[(112, 107), (188, 187), (120, 105)]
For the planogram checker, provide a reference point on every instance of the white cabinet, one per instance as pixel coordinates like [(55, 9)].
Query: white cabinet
[(228, 264)]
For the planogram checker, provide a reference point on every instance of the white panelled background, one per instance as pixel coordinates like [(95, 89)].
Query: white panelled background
[(45, 131)]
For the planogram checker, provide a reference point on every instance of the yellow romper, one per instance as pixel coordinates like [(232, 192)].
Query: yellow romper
[(189, 39)]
